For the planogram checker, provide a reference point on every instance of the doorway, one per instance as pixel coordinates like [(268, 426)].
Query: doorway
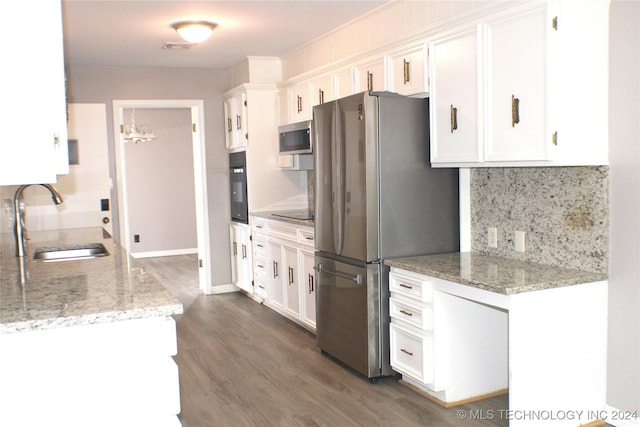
[(129, 202)]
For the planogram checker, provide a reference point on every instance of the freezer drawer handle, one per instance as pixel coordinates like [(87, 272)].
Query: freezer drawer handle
[(357, 278)]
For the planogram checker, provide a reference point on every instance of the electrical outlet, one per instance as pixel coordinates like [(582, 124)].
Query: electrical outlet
[(520, 241), (492, 237)]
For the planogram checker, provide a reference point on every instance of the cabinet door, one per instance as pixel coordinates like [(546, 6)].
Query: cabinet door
[(228, 124), (321, 90), (344, 83), (241, 271), (235, 111), (275, 267), (299, 102), (33, 115), (292, 281), (517, 77), (233, 240), (409, 71), (455, 134), (371, 76), (308, 288)]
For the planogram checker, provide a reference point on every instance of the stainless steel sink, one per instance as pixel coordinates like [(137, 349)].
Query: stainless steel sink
[(70, 252)]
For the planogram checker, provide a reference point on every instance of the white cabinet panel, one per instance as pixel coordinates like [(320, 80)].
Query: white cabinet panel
[(300, 102), (308, 287), (33, 115), (408, 71), (291, 281), (235, 111), (241, 253), (455, 133), (371, 75), (321, 89), (517, 88)]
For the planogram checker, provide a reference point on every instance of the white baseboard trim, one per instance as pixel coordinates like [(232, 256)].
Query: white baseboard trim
[(620, 418), (172, 252), (224, 289)]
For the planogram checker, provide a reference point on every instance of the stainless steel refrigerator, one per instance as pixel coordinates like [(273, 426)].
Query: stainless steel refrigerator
[(376, 197)]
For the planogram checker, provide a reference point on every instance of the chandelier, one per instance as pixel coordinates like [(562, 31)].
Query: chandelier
[(136, 133)]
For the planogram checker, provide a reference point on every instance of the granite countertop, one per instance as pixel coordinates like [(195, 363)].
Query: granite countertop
[(80, 292), (274, 215), (495, 274)]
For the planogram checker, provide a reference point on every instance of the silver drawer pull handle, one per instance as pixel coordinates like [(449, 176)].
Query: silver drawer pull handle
[(404, 350), (406, 312), (405, 286), (357, 278)]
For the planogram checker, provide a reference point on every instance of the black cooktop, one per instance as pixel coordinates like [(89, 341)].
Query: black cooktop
[(295, 215)]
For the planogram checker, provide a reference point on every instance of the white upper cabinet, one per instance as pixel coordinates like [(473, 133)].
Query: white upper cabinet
[(33, 116), (516, 52), (371, 75), (235, 111), (300, 102), (321, 89), (456, 135), (540, 95), (344, 82), (408, 71)]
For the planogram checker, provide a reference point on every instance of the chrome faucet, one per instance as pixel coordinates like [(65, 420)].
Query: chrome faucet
[(18, 229)]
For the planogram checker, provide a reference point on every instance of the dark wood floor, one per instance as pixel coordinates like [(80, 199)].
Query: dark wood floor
[(242, 364)]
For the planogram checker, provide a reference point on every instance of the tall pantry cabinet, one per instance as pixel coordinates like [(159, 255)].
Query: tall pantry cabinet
[(33, 115)]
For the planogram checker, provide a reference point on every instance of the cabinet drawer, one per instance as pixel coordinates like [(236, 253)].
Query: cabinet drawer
[(260, 264), (260, 287), (418, 315), (259, 244), (412, 353), (414, 287), (306, 237), (283, 232), (258, 224)]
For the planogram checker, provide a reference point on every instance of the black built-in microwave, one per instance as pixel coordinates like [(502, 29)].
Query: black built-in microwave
[(296, 138)]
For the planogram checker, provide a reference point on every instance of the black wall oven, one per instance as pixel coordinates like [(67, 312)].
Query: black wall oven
[(238, 181)]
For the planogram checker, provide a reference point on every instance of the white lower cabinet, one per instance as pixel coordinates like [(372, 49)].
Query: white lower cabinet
[(438, 341), (241, 268), (283, 269), (308, 287)]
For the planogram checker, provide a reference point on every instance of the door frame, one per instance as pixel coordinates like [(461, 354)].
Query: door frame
[(200, 177)]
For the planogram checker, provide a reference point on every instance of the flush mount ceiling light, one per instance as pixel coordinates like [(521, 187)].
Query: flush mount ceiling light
[(194, 31)]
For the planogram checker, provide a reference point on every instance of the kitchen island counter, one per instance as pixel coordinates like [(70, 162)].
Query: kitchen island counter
[(79, 292), (85, 337), (495, 274)]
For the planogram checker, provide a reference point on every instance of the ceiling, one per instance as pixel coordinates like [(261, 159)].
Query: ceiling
[(132, 33)]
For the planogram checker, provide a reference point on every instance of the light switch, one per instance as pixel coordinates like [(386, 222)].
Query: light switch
[(492, 237), (520, 241)]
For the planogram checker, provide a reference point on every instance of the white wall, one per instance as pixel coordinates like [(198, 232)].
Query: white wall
[(623, 389), (105, 84), (160, 184)]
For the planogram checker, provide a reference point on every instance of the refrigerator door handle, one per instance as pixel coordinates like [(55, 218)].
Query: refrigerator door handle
[(338, 185), (357, 278)]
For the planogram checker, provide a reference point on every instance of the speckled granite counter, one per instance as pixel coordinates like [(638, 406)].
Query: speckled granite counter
[(81, 292), (501, 275), (274, 215)]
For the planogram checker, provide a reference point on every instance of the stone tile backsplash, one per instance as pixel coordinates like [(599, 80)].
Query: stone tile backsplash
[(563, 210)]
